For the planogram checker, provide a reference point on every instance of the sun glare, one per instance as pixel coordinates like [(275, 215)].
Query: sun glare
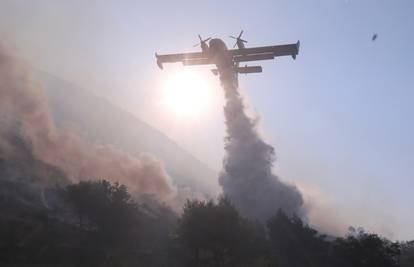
[(186, 94)]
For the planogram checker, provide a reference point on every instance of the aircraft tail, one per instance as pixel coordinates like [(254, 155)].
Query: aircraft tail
[(245, 69)]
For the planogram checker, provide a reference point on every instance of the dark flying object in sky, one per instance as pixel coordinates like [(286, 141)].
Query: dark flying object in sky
[(374, 37), (217, 53)]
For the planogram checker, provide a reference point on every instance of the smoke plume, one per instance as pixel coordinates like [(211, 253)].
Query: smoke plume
[(24, 111), (247, 177)]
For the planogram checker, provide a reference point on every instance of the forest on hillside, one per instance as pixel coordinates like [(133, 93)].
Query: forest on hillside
[(99, 223)]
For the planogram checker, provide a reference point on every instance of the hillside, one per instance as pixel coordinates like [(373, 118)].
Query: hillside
[(102, 121)]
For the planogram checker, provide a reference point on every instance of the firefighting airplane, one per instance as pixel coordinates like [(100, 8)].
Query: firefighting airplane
[(216, 52)]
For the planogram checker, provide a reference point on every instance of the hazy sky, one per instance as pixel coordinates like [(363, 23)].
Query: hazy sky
[(340, 116)]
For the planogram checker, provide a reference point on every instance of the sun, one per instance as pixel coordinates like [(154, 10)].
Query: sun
[(186, 94)]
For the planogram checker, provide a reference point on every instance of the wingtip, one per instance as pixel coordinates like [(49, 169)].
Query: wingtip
[(297, 50), (159, 63)]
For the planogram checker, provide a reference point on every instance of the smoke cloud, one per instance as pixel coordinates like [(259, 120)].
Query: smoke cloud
[(24, 111), (247, 177)]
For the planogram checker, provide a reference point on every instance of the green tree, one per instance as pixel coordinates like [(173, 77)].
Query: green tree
[(105, 208), (407, 254), (294, 243), (124, 232), (212, 234), (360, 249)]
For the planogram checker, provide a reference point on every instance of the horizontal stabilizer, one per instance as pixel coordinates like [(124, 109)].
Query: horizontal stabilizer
[(245, 70), (249, 69)]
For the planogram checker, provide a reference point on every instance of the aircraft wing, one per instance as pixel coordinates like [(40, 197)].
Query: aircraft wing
[(264, 52), (194, 58)]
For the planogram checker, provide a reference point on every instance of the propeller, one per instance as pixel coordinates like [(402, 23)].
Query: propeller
[(201, 41), (238, 39)]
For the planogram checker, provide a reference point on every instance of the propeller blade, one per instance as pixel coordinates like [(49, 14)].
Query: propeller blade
[(244, 41), (201, 40), (232, 37), (240, 34)]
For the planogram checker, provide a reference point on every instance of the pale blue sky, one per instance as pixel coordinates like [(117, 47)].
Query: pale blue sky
[(340, 116)]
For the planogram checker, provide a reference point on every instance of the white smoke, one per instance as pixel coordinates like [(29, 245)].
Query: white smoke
[(24, 111), (247, 177)]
